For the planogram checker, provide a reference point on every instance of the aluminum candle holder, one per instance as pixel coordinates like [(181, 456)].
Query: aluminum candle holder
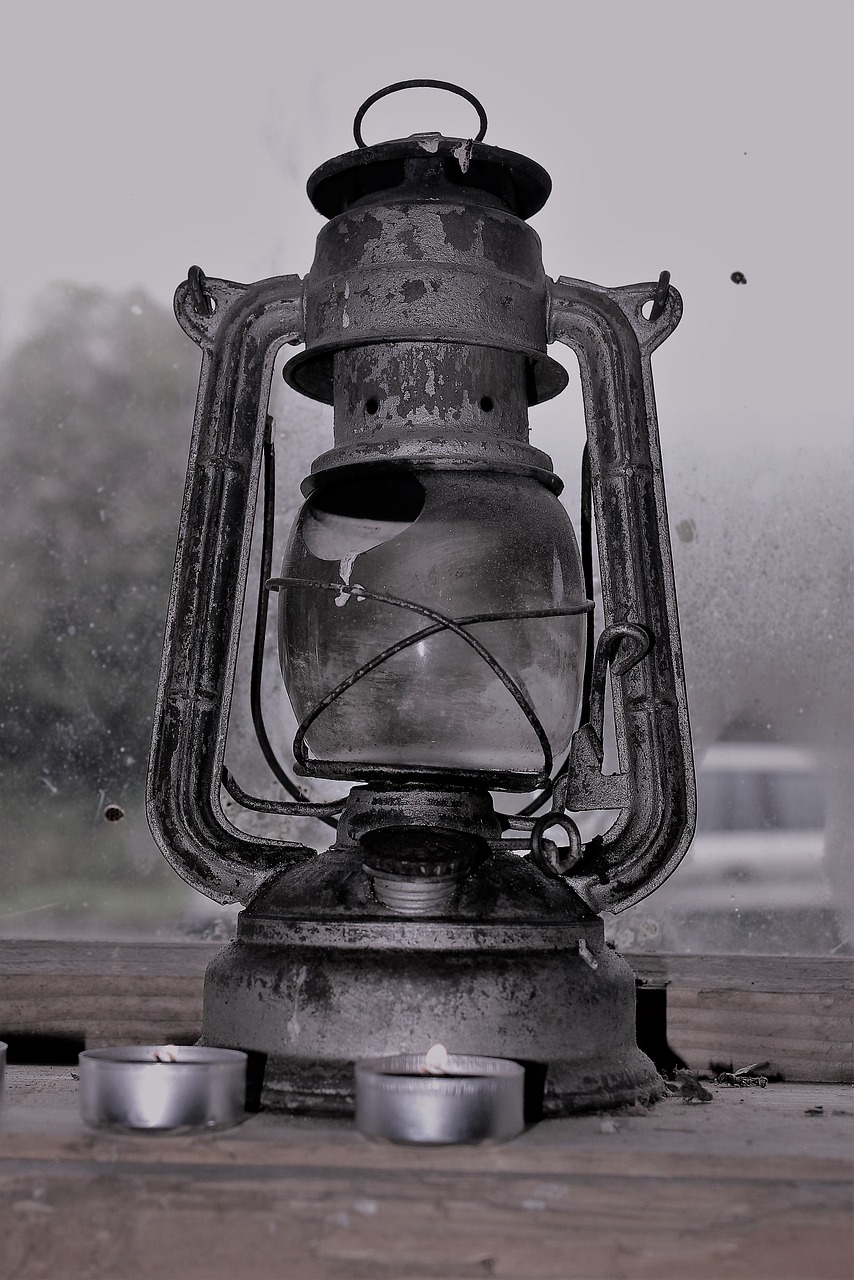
[(462, 1099), (436, 639), (162, 1087)]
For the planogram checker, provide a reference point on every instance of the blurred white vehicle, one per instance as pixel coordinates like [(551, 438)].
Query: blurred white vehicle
[(753, 879)]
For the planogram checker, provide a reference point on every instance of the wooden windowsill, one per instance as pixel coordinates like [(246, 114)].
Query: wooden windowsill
[(752, 1186), (795, 1013)]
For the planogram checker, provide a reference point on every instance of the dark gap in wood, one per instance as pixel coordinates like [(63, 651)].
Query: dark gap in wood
[(651, 1028), (255, 1066), (535, 1085), (43, 1050)]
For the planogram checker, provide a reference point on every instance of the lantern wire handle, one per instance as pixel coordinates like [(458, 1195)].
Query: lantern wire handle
[(418, 84)]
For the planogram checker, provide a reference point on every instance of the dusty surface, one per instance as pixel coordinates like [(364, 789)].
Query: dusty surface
[(754, 1184)]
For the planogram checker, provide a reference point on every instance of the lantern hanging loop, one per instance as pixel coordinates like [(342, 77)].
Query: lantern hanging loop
[(418, 84)]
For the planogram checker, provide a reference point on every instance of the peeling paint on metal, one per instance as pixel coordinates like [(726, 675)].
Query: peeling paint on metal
[(345, 569), (462, 154)]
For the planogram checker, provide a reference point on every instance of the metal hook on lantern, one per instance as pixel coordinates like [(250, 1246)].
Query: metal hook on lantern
[(659, 301), (202, 300), (551, 858)]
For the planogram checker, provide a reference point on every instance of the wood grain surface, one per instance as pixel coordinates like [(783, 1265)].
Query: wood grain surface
[(796, 1013), (747, 1187)]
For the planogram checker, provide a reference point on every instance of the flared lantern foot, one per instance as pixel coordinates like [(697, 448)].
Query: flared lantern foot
[(537, 984)]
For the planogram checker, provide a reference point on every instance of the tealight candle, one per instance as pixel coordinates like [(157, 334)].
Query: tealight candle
[(439, 1097), (162, 1087)]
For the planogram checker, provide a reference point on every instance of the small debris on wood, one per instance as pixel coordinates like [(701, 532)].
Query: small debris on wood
[(814, 1111), (608, 1126), (687, 1085), (772, 1073), (744, 1077)]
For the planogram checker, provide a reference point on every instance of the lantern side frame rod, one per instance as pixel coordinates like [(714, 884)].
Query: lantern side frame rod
[(525, 817), (239, 337), (305, 806), (614, 342), (586, 548)]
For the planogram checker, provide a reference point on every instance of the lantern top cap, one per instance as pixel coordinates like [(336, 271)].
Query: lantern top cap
[(427, 161), (505, 177)]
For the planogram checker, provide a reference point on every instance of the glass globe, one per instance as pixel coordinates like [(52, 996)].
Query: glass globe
[(461, 544)]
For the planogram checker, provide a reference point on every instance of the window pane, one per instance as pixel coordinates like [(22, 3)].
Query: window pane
[(128, 158)]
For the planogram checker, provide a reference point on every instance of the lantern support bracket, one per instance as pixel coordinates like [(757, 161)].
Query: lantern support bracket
[(614, 340), (239, 329)]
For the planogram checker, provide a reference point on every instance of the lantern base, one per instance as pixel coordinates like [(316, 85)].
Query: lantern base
[(313, 991)]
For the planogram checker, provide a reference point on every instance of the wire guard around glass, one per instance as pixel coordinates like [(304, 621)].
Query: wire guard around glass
[(340, 769)]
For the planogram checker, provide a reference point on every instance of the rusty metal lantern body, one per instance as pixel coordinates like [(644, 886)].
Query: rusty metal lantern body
[(434, 916)]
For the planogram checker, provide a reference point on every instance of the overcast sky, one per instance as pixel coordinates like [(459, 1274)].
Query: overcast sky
[(698, 135)]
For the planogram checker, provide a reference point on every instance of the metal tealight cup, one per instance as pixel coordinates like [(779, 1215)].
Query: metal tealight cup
[(471, 1099), (162, 1087)]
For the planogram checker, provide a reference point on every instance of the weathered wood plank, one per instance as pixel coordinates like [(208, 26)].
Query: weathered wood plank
[(745, 1188), (798, 974), (763, 1134), (109, 1224), (136, 959), (799, 1012)]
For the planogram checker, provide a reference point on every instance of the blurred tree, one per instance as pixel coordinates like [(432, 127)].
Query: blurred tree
[(95, 407)]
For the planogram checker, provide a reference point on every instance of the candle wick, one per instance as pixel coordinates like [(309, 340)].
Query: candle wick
[(435, 1062)]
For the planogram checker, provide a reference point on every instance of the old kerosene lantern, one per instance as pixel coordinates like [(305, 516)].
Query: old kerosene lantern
[(436, 641)]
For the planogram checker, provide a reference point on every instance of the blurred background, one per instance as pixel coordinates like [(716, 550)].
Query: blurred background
[(706, 137)]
